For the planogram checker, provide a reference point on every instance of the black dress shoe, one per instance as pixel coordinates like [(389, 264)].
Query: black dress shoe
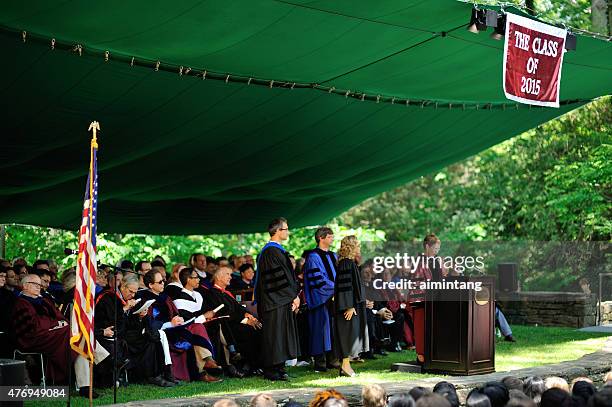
[(169, 376), (271, 375), (509, 338), (320, 368), (367, 355), (84, 392), (232, 371), (159, 381), (380, 352)]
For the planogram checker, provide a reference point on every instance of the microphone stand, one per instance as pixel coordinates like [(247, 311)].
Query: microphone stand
[(114, 271)]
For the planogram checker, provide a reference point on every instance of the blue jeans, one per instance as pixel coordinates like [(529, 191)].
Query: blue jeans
[(504, 327)]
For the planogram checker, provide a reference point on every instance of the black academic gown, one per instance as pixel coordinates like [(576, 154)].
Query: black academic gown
[(246, 339), (275, 291), (351, 337), (135, 340)]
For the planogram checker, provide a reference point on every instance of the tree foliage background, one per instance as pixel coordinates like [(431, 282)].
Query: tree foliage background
[(552, 183)]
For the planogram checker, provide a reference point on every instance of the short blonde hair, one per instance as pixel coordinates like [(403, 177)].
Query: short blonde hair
[(608, 377), (373, 395), (349, 247), (556, 382)]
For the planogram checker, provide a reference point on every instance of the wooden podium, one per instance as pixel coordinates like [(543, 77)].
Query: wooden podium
[(459, 329)]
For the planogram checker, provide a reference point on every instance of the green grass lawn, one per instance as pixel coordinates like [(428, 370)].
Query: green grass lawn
[(535, 346)]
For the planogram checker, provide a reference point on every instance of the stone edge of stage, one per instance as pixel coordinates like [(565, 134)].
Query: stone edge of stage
[(593, 365)]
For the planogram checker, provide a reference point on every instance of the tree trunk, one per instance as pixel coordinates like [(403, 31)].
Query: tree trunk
[(530, 6), (599, 16)]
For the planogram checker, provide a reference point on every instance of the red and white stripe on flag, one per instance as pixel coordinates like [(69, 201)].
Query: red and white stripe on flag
[(82, 322), (533, 57)]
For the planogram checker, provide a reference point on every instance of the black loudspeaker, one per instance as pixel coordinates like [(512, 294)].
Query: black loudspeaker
[(12, 373), (507, 276)]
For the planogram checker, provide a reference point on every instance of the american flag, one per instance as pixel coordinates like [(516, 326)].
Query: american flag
[(82, 326)]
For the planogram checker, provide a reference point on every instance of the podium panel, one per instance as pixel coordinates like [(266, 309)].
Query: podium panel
[(459, 329)]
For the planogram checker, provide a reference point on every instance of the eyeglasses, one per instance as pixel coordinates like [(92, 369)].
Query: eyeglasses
[(158, 282), (37, 284), (133, 292)]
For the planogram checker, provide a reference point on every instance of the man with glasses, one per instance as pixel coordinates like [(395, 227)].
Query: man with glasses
[(190, 303), (276, 294), (40, 327)]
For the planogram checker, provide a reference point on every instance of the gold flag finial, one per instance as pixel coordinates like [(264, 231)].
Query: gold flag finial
[(95, 126)]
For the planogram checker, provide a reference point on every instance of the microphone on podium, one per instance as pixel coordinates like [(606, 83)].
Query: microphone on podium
[(68, 251)]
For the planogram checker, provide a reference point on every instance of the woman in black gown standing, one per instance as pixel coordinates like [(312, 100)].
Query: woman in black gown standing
[(350, 325)]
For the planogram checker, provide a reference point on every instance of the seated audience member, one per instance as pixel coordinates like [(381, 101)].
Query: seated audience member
[(448, 391), (401, 400), (375, 314), (138, 350), (496, 393), (533, 387), (19, 262), (197, 261), (432, 400), (582, 390), (579, 379), (417, 392), (162, 315), (160, 266), (334, 402), (556, 397), (125, 264), (477, 399), (245, 281), (262, 400), (101, 280), (189, 303), (603, 398), (238, 333), (142, 268), (519, 399), (512, 382), (174, 275), (45, 279), (40, 327), (556, 382), (7, 300), (322, 396), (12, 280), (114, 280), (373, 395)]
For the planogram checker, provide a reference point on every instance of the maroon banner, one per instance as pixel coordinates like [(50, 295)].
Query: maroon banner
[(533, 57)]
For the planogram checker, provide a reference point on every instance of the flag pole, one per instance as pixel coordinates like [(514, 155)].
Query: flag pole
[(94, 127), (91, 367)]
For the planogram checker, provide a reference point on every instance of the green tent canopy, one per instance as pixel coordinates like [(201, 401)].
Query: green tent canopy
[(306, 107)]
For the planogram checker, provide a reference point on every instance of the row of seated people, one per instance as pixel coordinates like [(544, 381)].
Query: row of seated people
[(177, 327)]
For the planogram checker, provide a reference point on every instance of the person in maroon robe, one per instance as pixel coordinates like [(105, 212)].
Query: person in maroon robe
[(40, 327)]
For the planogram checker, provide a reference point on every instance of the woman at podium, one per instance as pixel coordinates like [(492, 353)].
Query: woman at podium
[(429, 267)]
